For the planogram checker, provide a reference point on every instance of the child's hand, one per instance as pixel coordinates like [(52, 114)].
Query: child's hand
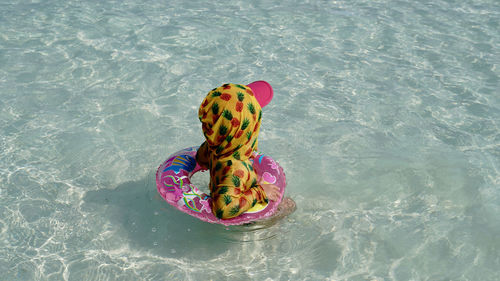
[(202, 156), (272, 191)]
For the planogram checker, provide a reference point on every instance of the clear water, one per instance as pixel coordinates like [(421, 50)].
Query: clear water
[(386, 119)]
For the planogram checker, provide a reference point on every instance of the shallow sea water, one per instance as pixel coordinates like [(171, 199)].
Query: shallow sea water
[(385, 118)]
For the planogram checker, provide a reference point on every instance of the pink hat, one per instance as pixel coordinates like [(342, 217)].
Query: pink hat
[(263, 92)]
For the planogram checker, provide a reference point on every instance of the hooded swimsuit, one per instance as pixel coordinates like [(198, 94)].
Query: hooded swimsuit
[(231, 117)]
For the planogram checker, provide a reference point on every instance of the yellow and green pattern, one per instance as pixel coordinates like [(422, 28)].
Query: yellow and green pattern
[(231, 117)]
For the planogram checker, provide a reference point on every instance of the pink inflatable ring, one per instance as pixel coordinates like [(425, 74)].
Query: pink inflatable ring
[(174, 185)]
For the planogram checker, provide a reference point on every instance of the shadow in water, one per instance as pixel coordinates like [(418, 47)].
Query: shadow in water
[(149, 223), (138, 212)]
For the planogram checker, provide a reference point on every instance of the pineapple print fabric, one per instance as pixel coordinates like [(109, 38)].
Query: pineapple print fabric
[(231, 117)]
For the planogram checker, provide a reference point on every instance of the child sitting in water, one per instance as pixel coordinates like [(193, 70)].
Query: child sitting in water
[(231, 115)]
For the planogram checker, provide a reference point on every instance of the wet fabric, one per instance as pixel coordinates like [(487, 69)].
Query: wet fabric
[(231, 117)]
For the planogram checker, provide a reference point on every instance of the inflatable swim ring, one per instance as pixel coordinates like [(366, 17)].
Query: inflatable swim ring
[(174, 185)]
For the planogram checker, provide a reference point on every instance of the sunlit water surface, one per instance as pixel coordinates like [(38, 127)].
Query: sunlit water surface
[(385, 118)]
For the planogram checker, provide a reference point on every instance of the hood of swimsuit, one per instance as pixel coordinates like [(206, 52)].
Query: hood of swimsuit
[(231, 118)]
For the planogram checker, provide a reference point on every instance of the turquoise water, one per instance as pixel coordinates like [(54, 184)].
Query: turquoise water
[(385, 118)]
